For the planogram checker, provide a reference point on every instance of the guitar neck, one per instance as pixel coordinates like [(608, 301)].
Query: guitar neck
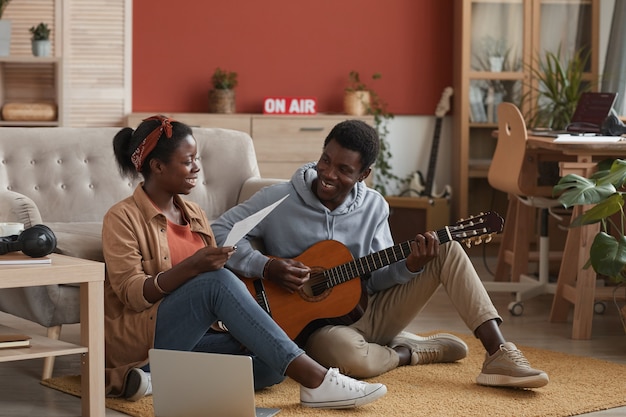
[(432, 163), (374, 261)]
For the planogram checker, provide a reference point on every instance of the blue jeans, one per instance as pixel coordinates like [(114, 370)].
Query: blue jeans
[(185, 316)]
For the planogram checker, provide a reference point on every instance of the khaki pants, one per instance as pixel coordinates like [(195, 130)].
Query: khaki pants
[(360, 350)]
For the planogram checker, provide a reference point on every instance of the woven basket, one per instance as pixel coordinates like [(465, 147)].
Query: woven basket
[(222, 101), (31, 112)]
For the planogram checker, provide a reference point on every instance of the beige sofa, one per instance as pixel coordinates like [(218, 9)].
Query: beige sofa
[(67, 178)]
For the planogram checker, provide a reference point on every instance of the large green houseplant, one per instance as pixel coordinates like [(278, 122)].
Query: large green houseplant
[(377, 107), (560, 83), (605, 192)]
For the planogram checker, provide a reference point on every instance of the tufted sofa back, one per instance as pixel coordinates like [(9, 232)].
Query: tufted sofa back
[(71, 173)]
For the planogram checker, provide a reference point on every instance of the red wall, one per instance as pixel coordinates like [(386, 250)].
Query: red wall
[(290, 48)]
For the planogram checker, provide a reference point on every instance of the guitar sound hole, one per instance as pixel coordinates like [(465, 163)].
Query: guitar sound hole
[(316, 288)]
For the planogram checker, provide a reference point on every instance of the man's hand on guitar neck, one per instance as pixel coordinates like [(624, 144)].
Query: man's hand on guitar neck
[(424, 249), (289, 274)]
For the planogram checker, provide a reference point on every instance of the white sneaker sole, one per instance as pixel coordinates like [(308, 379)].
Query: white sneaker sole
[(495, 380), (349, 403)]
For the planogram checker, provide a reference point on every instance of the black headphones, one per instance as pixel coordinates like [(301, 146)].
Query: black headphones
[(36, 241), (613, 126)]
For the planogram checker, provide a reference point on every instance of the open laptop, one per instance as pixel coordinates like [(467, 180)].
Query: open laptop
[(195, 384), (591, 111)]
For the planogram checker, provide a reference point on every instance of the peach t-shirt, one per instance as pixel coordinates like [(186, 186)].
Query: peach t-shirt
[(182, 242)]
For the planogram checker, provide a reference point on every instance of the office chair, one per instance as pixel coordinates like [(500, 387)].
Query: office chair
[(514, 170)]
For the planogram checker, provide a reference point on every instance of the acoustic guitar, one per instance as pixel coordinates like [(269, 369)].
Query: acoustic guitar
[(332, 291)]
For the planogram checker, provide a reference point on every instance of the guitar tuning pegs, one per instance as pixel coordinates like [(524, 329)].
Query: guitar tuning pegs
[(488, 238)]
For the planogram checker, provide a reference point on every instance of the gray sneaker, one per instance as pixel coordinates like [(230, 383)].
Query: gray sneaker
[(138, 384), (440, 347), (509, 368)]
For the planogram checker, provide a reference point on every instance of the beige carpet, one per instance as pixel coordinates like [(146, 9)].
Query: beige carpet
[(577, 385)]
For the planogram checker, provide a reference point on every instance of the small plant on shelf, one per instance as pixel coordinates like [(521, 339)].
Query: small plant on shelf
[(41, 32), (355, 83), (222, 96), (223, 79), (374, 105)]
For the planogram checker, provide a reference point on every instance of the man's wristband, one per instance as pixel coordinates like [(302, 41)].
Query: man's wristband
[(266, 268)]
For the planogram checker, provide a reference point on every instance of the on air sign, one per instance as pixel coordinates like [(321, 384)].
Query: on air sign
[(290, 105)]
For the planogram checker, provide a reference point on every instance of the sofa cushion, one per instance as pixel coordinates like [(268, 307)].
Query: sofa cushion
[(72, 176), (79, 240)]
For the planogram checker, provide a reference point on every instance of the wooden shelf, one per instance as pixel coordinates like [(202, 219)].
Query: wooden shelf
[(30, 79), (519, 24), (26, 59), (41, 347)]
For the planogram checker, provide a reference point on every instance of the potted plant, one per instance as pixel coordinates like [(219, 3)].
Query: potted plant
[(372, 104), (357, 97), (496, 52), (5, 30), (222, 96), (559, 88), (494, 55), (605, 191), (40, 39)]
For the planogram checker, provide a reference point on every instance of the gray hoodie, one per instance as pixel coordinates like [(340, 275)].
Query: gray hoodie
[(301, 220)]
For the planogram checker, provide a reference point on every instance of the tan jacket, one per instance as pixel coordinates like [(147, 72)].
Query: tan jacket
[(134, 242)]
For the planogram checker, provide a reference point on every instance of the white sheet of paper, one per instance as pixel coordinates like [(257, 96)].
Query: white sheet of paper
[(242, 227), (587, 139)]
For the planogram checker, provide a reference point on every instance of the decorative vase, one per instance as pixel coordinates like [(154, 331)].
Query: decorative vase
[(496, 63), (222, 101), (356, 103), (41, 47), (5, 37)]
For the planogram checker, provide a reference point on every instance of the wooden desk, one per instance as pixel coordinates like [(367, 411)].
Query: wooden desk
[(90, 276), (576, 286)]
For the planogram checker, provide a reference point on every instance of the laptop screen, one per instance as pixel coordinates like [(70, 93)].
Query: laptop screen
[(591, 111)]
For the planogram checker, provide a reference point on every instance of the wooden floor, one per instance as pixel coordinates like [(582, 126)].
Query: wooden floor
[(22, 395)]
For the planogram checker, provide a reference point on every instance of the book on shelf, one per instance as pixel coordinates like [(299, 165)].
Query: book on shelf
[(477, 105), (14, 341), (18, 258)]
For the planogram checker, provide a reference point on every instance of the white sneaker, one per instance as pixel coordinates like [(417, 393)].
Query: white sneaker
[(138, 384), (340, 391)]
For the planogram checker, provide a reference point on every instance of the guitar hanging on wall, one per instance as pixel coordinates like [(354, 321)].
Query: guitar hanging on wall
[(417, 184)]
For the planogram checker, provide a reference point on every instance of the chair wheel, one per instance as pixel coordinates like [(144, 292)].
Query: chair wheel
[(599, 307), (516, 308)]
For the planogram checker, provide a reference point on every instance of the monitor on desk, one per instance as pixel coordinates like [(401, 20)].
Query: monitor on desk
[(591, 110)]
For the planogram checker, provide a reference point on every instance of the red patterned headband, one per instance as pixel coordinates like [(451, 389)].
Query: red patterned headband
[(149, 143)]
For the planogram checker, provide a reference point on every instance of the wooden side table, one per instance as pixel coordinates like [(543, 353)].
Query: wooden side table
[(90, 276)]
